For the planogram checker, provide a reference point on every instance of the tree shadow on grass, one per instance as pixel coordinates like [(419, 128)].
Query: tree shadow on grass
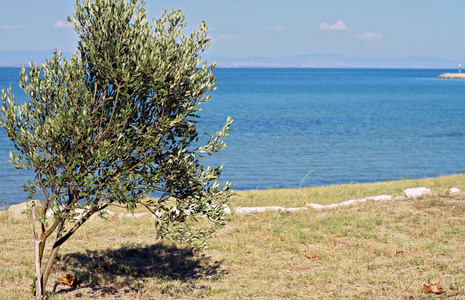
[(114, 269)]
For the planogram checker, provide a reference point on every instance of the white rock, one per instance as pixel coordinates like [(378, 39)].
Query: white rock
[(416, 192), (316, 206), (19, 210), (248, 210), (331, 206), (292, 209), (51, 212), (453, 190), (109, 213), (81, 211), (136, 216), (452, 76), (380, 198), (227, 210), (349, 202), (399, 198)]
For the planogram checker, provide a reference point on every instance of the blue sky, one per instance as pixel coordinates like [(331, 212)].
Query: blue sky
[(248, 28)]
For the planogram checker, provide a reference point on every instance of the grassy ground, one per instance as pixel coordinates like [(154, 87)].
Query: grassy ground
[(383, 250)]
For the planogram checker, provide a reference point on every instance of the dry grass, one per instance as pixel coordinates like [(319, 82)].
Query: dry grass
[(383, 250), (337, 193)]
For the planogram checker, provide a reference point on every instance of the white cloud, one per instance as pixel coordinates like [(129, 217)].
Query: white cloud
[(277, 27), (9, 27), (371, 38), (61, 24), (224, 37), (338, 26), (408, 37)]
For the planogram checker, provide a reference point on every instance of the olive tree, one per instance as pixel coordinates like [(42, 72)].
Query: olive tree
[(116, 123)]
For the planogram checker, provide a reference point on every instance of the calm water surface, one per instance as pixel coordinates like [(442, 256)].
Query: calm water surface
[(348, 125)]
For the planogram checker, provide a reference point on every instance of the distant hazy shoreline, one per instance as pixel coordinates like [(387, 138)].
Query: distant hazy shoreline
[(18, 58)]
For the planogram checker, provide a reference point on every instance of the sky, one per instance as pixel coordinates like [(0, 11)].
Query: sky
[(264, 28)]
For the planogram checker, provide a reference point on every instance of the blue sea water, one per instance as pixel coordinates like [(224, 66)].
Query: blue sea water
[(347, 125)]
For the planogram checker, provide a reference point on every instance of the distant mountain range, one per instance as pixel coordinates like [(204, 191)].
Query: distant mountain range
[(335, 61), (18, 58)]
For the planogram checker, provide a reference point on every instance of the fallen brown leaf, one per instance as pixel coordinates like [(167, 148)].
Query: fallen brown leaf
[(312, 256), (432, 288), (112, 218), (411, 298), (283, 240), (400, 252), (68, 279), (89, 239)]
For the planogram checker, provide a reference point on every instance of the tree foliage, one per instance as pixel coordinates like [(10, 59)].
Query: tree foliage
[(116, 122)]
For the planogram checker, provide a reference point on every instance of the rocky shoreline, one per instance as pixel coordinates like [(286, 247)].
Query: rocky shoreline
[(20, 210), (452, 76)]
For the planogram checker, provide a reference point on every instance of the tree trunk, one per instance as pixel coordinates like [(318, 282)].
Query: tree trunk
[(53, 255), (49, 265), (37, 260), (60, 239)]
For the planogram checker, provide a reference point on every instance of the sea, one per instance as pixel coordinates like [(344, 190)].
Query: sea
[(309, 127)]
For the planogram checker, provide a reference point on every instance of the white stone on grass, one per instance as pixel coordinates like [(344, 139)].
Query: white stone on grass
[(227, 210), (249, 210), (416, 192), (19, 210), (453, 190), (292, 209), (349, 202), (136, 216), (79, 212), (380, 198), (316, 206)]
